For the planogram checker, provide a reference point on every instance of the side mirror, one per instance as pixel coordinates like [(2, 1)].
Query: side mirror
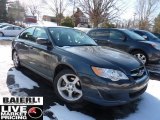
[(43, 41), (145, 37)]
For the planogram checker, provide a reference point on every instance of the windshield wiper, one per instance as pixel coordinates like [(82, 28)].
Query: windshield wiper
[(78, 45), (87, 45)]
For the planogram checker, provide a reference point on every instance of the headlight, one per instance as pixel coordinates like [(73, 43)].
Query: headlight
[(114, 75), (156, 46)]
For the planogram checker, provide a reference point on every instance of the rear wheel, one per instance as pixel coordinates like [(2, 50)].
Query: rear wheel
[(16, 60), (68, 87), (1, 34), (141, 56)]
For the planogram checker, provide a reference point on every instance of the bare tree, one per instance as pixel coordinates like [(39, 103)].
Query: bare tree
[(156, 27), (101, 10), (145, 10), (32, 7), (57, 7)]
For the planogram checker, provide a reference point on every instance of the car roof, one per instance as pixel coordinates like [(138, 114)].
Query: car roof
[(49, 26), (121, 29), (4, 24), (138, 30), (11, 26)]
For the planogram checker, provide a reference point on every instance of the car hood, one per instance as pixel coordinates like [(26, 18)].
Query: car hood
[(105, 57)]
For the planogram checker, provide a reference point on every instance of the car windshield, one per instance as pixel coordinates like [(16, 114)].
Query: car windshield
[(133, 35), (70, 37)]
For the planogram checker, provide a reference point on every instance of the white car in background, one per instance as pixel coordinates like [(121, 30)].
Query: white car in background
[(10, 31), (5, 24)]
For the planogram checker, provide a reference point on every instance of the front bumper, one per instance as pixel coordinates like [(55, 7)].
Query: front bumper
[(99, 91)]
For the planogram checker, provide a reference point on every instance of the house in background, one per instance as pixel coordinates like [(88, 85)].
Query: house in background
[(30, 19), (80, 19)]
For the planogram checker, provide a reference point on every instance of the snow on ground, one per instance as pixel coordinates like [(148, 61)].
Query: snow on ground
[(22, 80), (46, 118), (5, 65), (63, 113), (148, 108)]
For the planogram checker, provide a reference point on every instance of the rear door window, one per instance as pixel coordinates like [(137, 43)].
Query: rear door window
[(17, 28), (9, 28), (116, 35), (140, 33), (92, 33), (99, 33)]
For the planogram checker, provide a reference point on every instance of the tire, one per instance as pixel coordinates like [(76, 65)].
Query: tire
[(1, 34), (16, 60), (67, 87), (141, 56)]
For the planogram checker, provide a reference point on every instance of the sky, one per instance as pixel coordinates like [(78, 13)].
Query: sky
[(127, 14), (130, 9)]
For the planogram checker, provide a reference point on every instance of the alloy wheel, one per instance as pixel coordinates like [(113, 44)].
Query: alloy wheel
[(141, 57), (69, 87), (15, 59)]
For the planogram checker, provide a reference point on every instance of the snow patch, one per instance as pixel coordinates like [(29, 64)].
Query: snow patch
[(63, 113), (15, 91), (46, 118), (5, 65), (149, 107), (22, 80)]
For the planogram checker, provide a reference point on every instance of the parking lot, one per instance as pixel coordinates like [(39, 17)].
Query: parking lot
[(25, 83), (80, 60)]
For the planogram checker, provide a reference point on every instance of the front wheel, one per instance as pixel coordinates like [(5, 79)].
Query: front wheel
[(67, 86), (141, 56), (1, 34)]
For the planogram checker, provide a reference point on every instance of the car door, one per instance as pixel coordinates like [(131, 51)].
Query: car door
[(101, 37), (118, 40), (16, 31), (40, 55), (8, 31), (23, 43)]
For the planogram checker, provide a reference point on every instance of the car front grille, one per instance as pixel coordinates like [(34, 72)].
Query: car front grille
[(138, 73)]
